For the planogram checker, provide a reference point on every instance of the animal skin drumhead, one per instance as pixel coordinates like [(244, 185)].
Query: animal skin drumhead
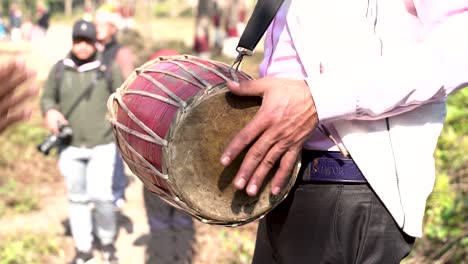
[(197, 139)]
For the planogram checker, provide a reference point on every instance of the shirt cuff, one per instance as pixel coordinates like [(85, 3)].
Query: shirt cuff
[(47, 107), (333, 100)]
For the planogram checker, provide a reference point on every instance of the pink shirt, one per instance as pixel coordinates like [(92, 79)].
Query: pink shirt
[(284, 62), (441, 18)]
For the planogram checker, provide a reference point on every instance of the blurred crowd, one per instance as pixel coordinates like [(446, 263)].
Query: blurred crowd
[(227, 18), (19, 27)]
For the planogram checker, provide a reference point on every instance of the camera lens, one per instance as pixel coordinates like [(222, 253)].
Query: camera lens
[(48, 144)]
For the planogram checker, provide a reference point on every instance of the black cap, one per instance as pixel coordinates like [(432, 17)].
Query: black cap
[(84, 29)]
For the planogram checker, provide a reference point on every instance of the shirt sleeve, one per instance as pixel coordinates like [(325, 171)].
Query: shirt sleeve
[(388, 85), (126, 61), (49, 97), (117, 77)]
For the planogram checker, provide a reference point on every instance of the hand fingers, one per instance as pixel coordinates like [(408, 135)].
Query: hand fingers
[(14, 118), (12, 75), (255, 155), (252, 130), (263, 156), (262, 166), (280, 127), (244, 138), (9, 103), (288, 161), (9, 68), (64, 122), (246, 88), (19, 79), (53, 128)]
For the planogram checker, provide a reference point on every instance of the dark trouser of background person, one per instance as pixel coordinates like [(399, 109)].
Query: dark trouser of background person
[(171, 232), (119, 183)]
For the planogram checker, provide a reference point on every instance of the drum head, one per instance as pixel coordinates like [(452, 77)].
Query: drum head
[(197, 138)]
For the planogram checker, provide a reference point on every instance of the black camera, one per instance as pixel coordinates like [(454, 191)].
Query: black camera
[(51, 141)]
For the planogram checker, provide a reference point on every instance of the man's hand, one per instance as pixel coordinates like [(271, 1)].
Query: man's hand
[(280, 127), (53, 118), (12, 75)]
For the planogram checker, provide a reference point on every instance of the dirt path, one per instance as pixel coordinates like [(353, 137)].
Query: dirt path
[(54, 210), (130, 242)]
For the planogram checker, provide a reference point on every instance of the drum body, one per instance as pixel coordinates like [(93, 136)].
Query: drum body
[(172, 119)]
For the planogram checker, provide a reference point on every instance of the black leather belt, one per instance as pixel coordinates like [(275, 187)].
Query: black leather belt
[(328, 166)]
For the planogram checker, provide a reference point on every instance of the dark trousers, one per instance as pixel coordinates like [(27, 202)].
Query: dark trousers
[(172, 232), (330, 223)]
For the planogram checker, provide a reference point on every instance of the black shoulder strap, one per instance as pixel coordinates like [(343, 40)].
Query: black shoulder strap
[(107, 58), (110, 52), (59, 69), (263, 14), (58, 77), (107, 72)]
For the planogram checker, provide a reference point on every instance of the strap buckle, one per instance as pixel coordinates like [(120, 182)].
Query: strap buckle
[(241, 53)]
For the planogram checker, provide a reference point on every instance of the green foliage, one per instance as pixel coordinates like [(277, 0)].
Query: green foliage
[(442, 214), (446, 235), (28, 248), (187, 12), (239, 246), (16, 197), (165, 8), (18, 142)]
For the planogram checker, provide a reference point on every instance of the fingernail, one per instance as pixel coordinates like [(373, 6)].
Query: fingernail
[(225, 160), (233, 84), (252, 190), (240, 184), (276, 190)]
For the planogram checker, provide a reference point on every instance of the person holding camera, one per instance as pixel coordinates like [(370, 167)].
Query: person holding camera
[(74, 107)]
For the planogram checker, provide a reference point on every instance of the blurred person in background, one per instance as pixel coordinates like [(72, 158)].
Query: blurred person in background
[(78, 100), (16, 20), (127, 11), (201, 41), (43, 17), (3, 30), (13, 74), (107, 26)]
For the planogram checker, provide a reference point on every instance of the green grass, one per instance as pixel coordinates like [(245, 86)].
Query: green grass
[(27, 248), (17, 198)]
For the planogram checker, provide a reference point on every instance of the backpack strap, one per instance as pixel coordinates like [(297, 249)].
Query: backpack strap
[(58, 77), (106, 72), (110, 52)]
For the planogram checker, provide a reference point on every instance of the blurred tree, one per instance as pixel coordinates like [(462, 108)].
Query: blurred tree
[(68, 7)]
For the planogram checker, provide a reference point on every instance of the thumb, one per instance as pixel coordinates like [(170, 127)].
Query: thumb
[(245, 88)]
